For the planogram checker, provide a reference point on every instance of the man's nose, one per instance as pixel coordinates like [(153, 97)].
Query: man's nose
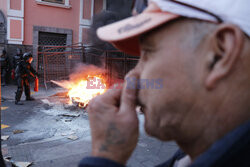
[(136, 72)]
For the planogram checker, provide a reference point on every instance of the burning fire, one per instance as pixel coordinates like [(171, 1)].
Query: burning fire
[(82, 94), (80, 91)]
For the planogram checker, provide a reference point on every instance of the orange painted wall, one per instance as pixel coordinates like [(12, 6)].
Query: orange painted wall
[(85, 39), (48, 16), (86, 9), (3, 7), (15, 4), (98, 6), (15, 29)]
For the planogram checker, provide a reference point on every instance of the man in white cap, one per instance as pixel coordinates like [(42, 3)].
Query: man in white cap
[(201, 51)]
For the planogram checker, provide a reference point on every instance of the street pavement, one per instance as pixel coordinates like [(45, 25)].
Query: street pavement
[(49, 133)]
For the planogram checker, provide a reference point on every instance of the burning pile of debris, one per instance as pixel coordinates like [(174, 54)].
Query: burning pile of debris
[(84, 84)]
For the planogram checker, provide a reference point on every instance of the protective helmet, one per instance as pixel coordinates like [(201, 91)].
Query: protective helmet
[(4, 52), (26, 56), (19, 51)]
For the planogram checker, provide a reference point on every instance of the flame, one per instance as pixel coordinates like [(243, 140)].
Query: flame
[(80, 92)]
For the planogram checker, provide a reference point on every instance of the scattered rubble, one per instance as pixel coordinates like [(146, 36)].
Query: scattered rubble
[(4, 138), (7, 159), (69, 115), (4, 108), (67, 133), (18, 131), (46, 101), (72, 107), (21, 164), (72, 137), (4, 126), (60, 94), (17, 164)]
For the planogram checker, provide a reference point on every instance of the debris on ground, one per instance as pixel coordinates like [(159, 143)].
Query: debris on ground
[(68, 120), (60, 94), (7, 159), (4, 138), (72, 137), (72, 107), (67, 133), (18, 131), (4, 126), (46, 101), (21, 164), (70, 115), (4, 108)]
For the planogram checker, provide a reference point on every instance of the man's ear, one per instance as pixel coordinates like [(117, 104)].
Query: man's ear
[(227, 43)]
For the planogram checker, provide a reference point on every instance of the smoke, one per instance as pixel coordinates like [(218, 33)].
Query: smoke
[(82, 71), (122, 7), (99, 20), (116, 10)]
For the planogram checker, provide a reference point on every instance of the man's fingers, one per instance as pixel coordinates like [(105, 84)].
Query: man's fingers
[(112, 96), (108, 100), (129, 93)]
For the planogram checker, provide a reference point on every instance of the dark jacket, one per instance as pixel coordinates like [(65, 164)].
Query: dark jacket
[(16, 60), (233, 150), (4, 59), (24, 69)]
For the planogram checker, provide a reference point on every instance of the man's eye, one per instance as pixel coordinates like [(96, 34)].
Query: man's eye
[(147, 53), (148, 50)]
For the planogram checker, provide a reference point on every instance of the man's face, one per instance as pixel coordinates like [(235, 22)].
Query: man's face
[(165, 56)]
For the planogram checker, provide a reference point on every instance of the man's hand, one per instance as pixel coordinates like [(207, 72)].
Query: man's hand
[(114, 124)]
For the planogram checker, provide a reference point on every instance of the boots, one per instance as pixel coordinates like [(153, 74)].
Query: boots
[(18, 97), (27, 93), (29, 98), (18, 102)]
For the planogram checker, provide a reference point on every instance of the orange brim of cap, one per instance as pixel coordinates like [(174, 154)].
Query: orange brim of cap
[(124, 34)]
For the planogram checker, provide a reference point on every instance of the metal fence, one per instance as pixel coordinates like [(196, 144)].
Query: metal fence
[(57, 62), (118, 64)]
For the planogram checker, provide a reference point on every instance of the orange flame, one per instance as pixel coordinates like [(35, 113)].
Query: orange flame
[(80, 92)]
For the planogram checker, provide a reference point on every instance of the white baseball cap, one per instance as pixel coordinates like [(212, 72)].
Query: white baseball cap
[(125, 34)]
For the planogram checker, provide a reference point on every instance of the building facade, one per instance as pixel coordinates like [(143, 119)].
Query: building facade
[(35, 25), (46, 22)]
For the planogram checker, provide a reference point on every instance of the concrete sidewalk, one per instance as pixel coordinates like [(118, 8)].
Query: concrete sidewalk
[(54, 134)]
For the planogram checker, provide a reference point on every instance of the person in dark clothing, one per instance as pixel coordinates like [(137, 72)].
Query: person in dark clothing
[(200, 50), (4, 67), (22, 73), (16, 59)]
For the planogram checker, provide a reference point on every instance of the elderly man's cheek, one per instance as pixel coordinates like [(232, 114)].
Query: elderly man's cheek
[(154, 114)]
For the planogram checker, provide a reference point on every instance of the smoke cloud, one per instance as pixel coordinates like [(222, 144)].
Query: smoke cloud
[(83, 71), (116, 10)]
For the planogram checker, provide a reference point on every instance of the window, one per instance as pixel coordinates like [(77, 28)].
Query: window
[(98, 6), (55, 1), (87, 9)]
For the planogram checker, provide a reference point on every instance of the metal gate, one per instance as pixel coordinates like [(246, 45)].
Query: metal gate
[(118, 64), (57, 62), (54, 64), (52, 39)]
